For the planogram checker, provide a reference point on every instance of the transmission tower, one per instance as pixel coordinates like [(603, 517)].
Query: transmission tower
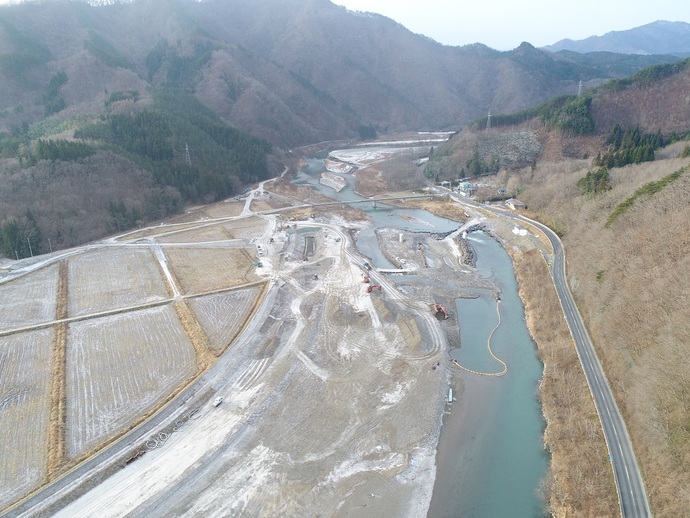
[(579, 88), (186, 153), (488, 121)]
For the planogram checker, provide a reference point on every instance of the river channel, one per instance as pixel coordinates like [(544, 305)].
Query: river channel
[(490, 459)]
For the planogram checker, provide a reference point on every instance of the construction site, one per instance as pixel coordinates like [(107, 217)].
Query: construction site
[(272, 367)]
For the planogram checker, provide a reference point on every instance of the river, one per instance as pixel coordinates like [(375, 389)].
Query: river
[(490, 459)]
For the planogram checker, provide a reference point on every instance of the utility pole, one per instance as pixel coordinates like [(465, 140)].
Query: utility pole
[(488, 121), (50, 246), (186, 152), (28, 240)]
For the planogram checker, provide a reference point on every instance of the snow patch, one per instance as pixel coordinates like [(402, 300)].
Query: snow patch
[(391, 398), (352, 467)]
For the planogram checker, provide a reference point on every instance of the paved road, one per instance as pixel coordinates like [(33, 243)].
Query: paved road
[(632, 496)]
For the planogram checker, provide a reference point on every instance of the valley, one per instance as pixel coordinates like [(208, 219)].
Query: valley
[(325, 384), (281, 258)]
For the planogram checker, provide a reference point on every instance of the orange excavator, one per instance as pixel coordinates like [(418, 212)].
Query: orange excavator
[(440, 311), (372, 287)]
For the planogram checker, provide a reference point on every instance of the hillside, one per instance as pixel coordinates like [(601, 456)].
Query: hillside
[(652, 100), (292, 72), (617, 193), (629, 283)]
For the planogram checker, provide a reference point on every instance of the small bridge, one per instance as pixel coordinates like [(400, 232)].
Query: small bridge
[(375, 200)]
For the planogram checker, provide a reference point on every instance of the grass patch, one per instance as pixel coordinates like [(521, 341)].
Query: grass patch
[(648, 189)]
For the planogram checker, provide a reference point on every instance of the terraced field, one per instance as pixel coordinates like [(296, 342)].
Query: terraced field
[(133, 360), (108, 279), (29, 300), (25, 383)]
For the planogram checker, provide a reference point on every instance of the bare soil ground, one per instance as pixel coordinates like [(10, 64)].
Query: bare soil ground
[(334, 402)]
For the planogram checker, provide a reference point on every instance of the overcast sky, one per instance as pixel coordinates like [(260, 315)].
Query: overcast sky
[(504, 24)]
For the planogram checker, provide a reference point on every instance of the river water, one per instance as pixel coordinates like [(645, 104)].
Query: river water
[(490, 459), (492, 441)]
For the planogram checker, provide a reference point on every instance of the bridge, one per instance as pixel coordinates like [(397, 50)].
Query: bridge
[(374, 200)]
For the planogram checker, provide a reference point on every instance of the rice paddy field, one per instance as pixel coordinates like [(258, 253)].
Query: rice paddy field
[(216, 231), (201, 270), (25, 385), (29, 300), (93, 342), (112, 278), (223, 315), (151, 356)]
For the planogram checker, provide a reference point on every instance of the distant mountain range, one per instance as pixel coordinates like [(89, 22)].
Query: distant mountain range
[(659, 37), (290, 71), (116, 115)]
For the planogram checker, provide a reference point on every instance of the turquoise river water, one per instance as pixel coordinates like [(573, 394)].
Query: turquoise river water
[(490, 460)]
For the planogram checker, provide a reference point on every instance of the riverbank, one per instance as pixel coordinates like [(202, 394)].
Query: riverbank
[(579, 480)]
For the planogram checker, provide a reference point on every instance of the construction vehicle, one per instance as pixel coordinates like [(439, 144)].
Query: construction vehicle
[(367, 265), (372, 287), (440, 311), (366, 279)]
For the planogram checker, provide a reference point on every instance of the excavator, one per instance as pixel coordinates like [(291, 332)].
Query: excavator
[(441, 312)]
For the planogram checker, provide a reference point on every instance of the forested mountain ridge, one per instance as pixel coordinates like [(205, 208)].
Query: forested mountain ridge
[(645, 111), (115, 115), (290, 71)]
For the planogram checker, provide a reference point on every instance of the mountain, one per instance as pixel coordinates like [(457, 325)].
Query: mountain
[(116, 115), (647, 110), (660, 37), (290, 71)]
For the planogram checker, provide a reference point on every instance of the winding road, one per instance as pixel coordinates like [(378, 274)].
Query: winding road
[(632, 496)]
